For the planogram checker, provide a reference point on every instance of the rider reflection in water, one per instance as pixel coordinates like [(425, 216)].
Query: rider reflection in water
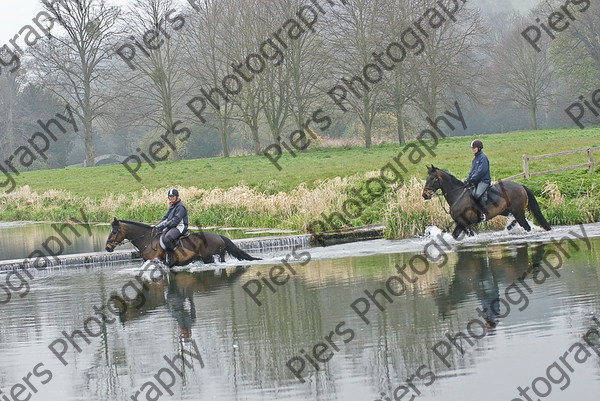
[(173, 224), (176, 297), (480, 176)]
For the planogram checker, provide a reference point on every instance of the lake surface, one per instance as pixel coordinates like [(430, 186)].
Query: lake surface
[(540, 298), (18, 240)]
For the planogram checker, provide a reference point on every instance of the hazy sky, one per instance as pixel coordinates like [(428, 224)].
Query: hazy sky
[(18, 13), (15, 14)]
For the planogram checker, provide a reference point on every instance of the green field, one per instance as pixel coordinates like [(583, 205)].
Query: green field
[(108, 190)]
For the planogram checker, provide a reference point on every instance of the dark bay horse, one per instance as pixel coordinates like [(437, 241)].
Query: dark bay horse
[(504, 198), (201, 245)]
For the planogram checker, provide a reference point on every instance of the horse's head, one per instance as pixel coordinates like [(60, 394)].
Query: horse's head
[(116, 236), (433, 182)]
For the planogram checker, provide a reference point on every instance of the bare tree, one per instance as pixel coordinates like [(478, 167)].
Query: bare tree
[(155, 81), (398, 88), (10, 87), (354, 37), (518, 73), (275, 99), (208, 62), (575, 52), (74, 66), (245, 16), (450, 62)]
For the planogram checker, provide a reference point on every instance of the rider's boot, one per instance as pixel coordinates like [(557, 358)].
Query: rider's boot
[(169, 258), (481, 203)]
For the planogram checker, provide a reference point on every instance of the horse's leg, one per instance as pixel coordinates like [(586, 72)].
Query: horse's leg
[(222, 254), (512, 224), (457, 230), (208, 259), (469, 230), (520, 218)]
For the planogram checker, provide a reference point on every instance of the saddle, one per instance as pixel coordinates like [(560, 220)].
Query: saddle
[(491, 195), (178, 241)]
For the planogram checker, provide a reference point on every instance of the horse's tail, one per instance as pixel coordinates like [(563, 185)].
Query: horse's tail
[(534, 208), (236, 252)]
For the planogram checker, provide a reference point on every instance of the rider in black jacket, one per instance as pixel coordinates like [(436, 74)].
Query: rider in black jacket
[(480, 176), (173, 224)]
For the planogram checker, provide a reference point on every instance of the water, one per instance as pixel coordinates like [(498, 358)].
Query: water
[(245, 347), (18, 240)]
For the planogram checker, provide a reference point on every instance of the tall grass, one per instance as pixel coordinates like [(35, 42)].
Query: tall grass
[(404, 211), (239, 206), (248, 191)]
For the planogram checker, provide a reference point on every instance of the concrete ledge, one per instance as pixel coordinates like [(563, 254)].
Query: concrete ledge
[(251, 245), (262, 244), (345, 235)]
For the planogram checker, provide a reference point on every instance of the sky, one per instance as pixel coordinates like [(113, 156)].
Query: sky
[(15, 14)]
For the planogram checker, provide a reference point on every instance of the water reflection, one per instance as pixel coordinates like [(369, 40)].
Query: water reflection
[(19, 240), (245, 347), (176, 290), (481, 273)]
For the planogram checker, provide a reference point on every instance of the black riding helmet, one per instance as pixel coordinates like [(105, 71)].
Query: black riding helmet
[(477, 144), (174, 192)]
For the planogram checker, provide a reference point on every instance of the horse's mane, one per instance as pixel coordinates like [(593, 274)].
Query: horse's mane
[(136, 223), (453, 179)]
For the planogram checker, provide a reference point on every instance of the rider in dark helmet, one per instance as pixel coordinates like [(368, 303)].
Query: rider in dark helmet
[(173, 224), (480, 176)]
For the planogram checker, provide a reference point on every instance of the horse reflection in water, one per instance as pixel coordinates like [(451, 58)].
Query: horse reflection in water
[(176, 290), (482, 274)]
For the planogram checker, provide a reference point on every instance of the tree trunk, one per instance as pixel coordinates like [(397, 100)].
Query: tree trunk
[(90, 155), (256, 140), (368, 140), (400, 124), (276, 132), (10, 129), (169, 123), (533, 116), (223, 134), (367, 121)]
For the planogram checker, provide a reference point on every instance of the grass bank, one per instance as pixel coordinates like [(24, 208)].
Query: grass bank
[(248, 191)]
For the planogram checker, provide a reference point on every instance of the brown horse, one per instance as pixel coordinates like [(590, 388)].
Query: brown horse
[(202, 245), (504, 198)]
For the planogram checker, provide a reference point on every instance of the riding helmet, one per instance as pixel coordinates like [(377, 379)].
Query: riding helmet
[(477, 144), (174, 192)]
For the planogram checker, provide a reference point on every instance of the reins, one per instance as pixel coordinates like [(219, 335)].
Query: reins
[(445, 194), (127, 240)]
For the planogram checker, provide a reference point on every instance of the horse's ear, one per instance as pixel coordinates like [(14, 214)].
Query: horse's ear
[(115, 222)]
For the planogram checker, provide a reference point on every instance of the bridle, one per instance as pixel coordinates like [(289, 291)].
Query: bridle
[(127, 241), (434, 193)]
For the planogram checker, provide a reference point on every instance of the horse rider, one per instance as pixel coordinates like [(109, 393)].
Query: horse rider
[(174, 224), (480, 176)]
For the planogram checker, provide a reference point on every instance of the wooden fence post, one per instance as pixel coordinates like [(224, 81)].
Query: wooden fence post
[(525, 166), (590, 160)]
